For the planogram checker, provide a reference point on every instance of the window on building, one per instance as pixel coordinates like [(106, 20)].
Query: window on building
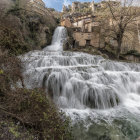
[(88, 42)]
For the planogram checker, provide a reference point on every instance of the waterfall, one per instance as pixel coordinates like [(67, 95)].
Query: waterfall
[(84, 85), (59, 37)]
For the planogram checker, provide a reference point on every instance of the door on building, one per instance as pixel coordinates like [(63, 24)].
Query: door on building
[(88, 42)]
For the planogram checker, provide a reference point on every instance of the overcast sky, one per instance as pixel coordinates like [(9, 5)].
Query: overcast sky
[(57, 4)]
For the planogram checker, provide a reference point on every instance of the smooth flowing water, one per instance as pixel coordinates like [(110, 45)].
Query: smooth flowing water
[(101, 96)]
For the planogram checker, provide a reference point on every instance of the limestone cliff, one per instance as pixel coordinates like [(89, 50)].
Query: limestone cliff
[(22, 30)]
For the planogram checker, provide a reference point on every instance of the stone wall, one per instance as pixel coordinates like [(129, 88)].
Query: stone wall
[(133, 58), (66, 23), (86, 39), (76, 6), (86, 23)]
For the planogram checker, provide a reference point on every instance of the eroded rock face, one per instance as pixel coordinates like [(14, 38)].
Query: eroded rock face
[(33, 31)]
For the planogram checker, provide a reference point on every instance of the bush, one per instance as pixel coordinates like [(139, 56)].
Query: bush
[(11, 41), (38, 114), (32, 110)]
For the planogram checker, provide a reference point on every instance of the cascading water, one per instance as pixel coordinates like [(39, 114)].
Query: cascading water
[(59, 38), (96, 93)]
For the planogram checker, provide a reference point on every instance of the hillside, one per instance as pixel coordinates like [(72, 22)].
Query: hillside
[(27, 30)]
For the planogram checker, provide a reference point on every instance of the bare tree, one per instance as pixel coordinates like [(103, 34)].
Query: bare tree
[(138, 31), (121, 19)]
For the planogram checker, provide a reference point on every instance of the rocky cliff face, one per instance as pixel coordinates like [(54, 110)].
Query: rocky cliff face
[(22, 30)]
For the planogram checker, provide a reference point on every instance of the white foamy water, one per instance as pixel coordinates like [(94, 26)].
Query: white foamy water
[(84, 85), (59, 38)]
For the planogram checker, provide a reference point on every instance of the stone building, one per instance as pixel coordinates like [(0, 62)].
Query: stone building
[(92, 6), (87, 39), (89, 6), (85, 22), (66, 22), (64, 9), (86, 29), (104, 4), (76, 6)]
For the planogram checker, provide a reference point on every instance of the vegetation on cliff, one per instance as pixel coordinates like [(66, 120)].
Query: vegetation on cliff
[(25, 114)]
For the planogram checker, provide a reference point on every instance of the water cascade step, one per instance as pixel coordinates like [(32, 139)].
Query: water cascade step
[(79, 82)]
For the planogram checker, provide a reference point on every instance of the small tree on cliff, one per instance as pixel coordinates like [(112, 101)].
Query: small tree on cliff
[(121, 19)]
